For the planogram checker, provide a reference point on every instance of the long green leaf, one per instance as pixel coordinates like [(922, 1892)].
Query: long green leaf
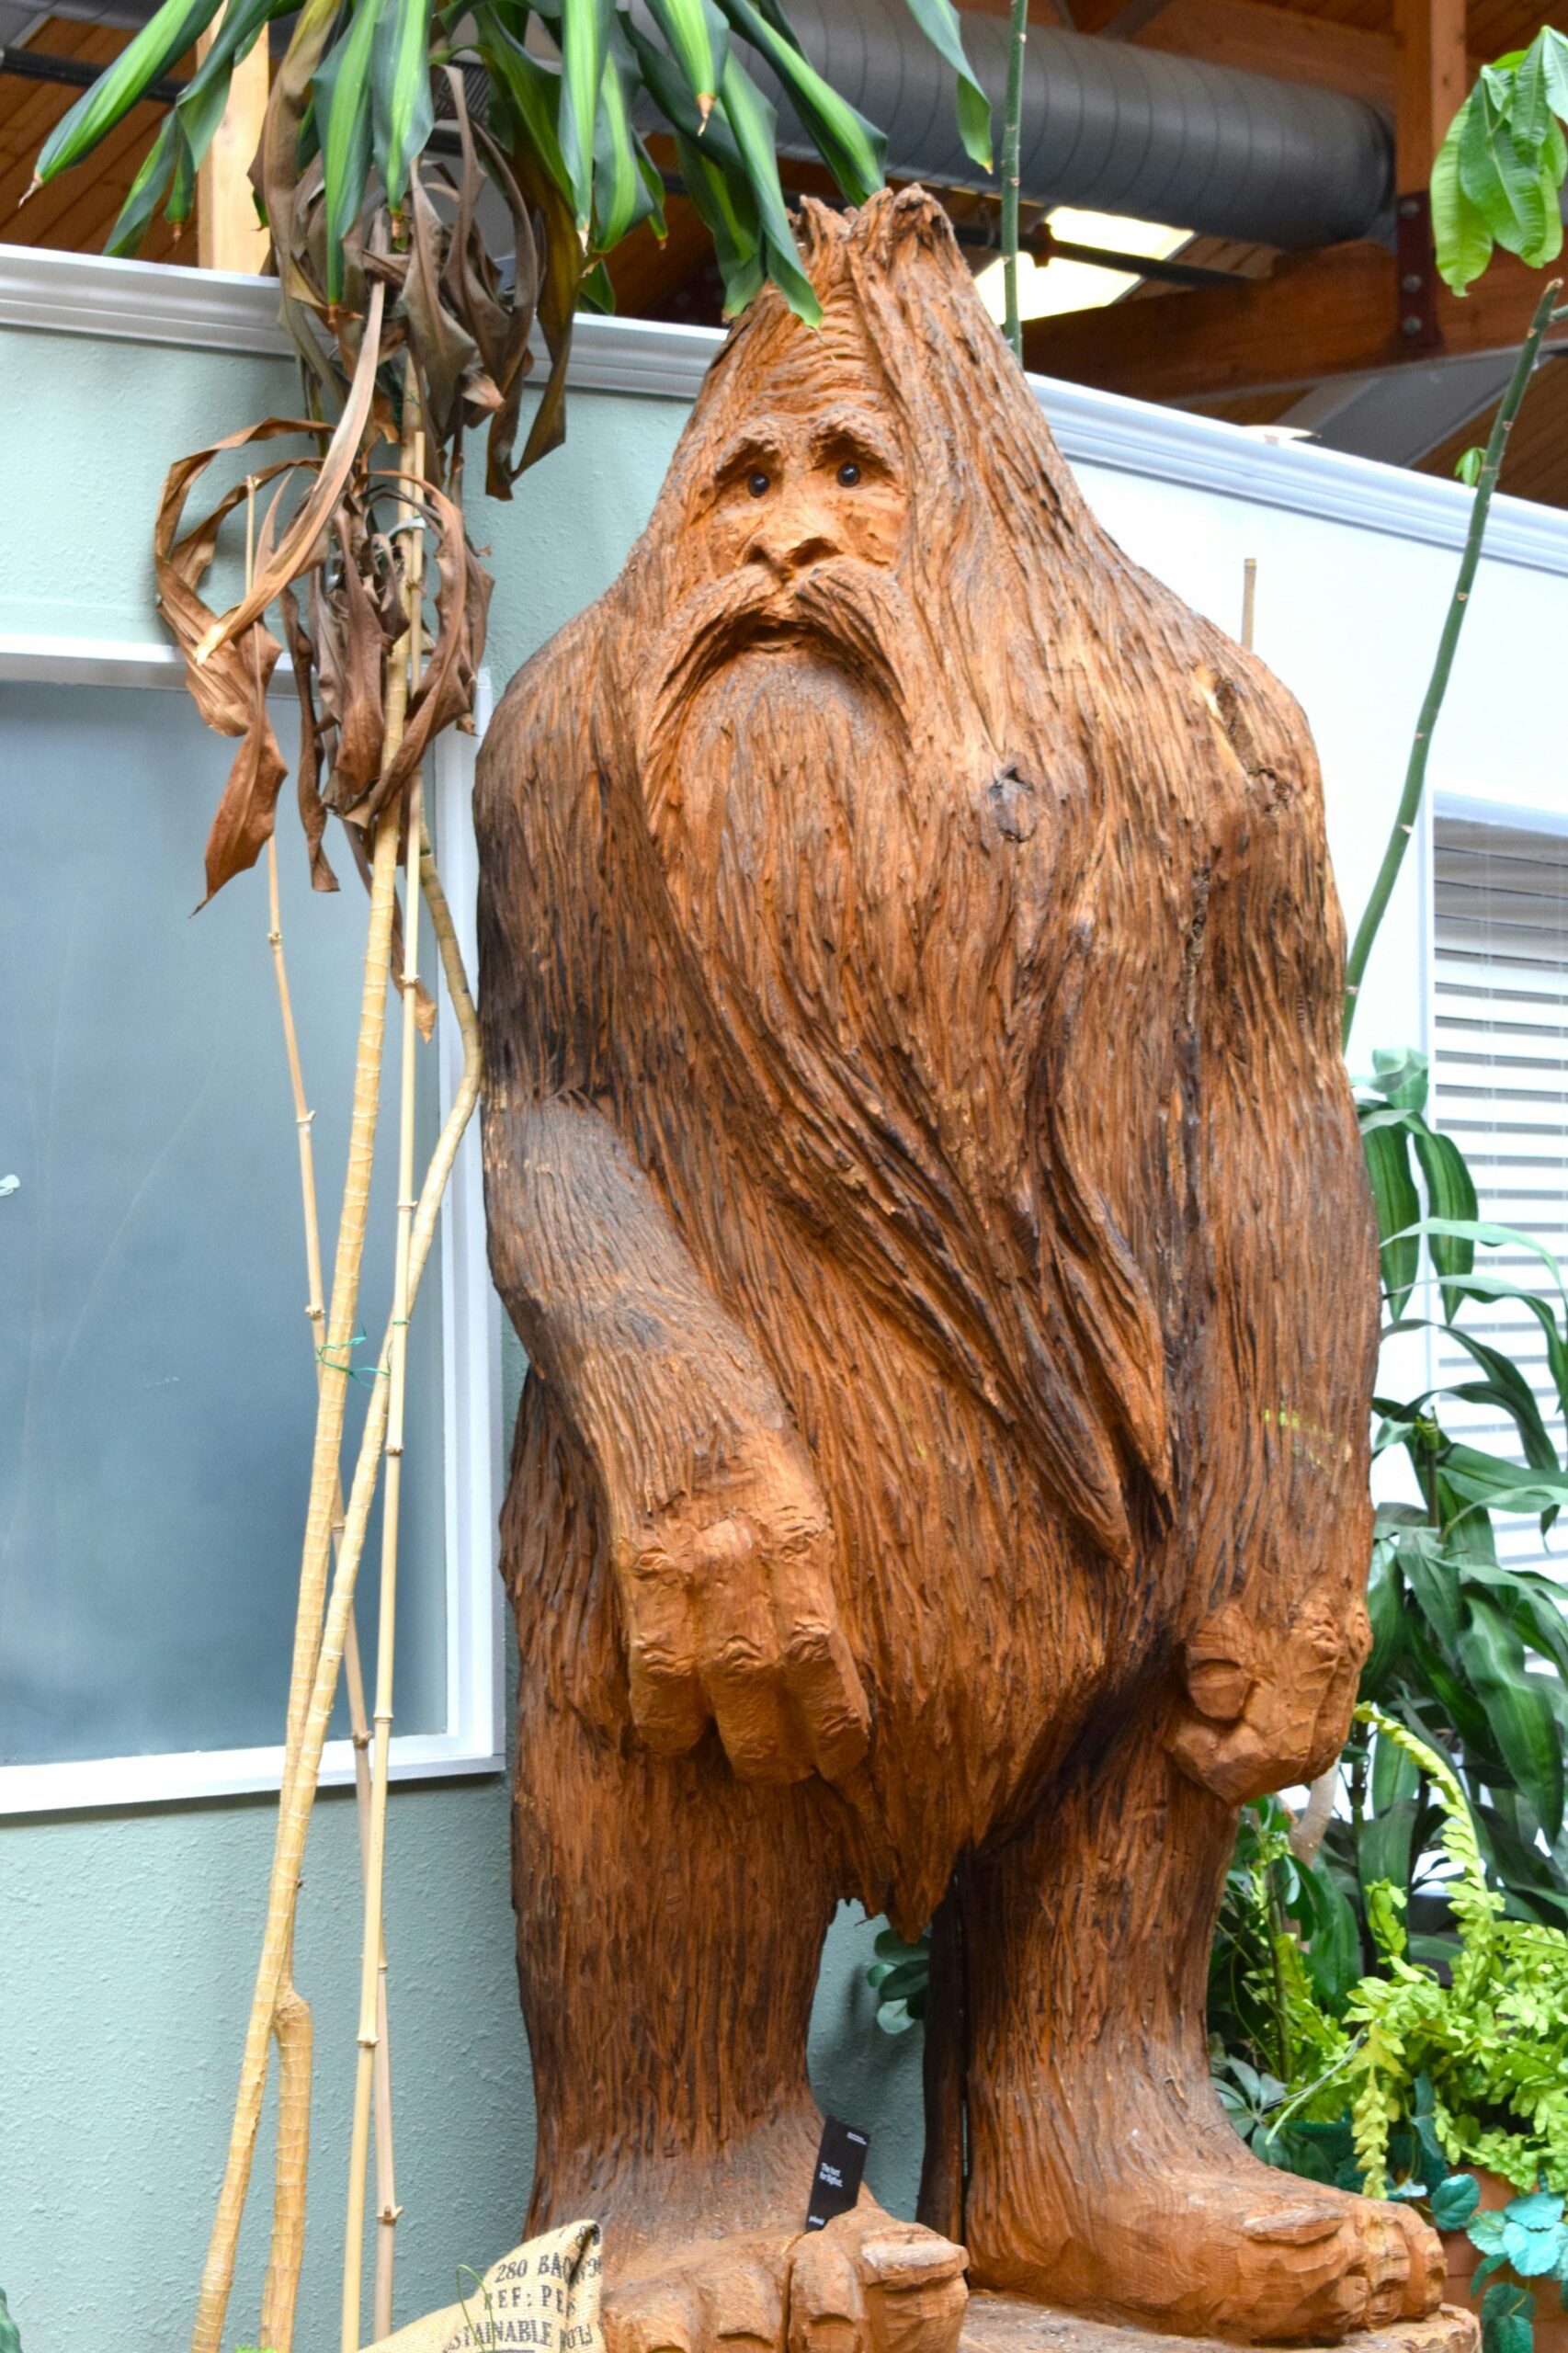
[(190, 128), (723, 201), (1398, 1207), (402, 114), (1554, 47), (532, 88), (853, 149), (1401, 1077), (1495, 1287), (753, 121), (1483, 1229), (698, 38), (1503, 1376), (1529, 101), (146, 192), (623, 189), (1490, 1479), (1433, 1579), (1458, 227), (1452, 1196), (342, 91), (1516, 1709), (585, 33), (1539, 1616), (1385, 1607), (677, 102), (161, 42), (938, 21), (1518, 1401), (1504, 186)]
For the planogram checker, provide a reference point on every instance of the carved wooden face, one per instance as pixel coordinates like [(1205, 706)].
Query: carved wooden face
[(811, 472)]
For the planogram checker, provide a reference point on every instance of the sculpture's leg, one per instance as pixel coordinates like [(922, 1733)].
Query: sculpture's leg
[(1103, 2172), (670, 1926)]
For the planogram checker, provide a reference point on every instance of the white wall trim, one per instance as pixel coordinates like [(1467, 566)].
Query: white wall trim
[(473, 1740), (90, 294)]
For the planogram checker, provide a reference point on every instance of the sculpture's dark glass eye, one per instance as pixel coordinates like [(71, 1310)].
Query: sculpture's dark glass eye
[(849, 473), (759, 483)]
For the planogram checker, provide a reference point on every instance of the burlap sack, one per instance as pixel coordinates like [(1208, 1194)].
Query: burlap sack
[(542, 2298)]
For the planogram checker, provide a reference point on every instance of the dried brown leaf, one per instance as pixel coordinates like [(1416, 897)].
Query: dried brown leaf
[(446, 690), (352, 652), (294, 552), (275, 173), (248, 809), (312, 808)]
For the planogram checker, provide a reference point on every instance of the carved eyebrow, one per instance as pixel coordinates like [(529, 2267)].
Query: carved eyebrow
[(760, 442), (845, 425)]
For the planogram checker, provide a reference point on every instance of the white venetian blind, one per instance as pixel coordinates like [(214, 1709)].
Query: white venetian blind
[(1500, 1071)]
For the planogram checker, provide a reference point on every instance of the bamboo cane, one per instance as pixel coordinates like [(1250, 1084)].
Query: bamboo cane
[(375, 1857), (294, 1817), (217, 2272), (292, 2026)]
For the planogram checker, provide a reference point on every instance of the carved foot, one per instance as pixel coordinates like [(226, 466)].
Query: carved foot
[(1247, 2252), (866, 2284)]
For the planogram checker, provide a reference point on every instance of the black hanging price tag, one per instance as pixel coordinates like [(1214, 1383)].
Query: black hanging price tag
[(835, 2184)]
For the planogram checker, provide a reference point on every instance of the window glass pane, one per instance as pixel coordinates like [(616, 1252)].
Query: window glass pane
[(157, 1379)]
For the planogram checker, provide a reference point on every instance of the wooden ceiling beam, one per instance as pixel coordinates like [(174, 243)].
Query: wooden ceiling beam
[(1432, 75), (1279, 41), (1256, 36), (1320, 315)]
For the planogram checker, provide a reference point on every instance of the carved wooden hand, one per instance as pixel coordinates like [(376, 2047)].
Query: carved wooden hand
[(719, 1535), (1264, 1709), (730, 1618)]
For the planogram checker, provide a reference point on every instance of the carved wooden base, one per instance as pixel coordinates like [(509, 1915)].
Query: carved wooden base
[(1007, 2325)]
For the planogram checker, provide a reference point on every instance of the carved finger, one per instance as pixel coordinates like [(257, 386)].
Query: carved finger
[(1333, 1727), (660, 2317), (827, 2310), (1426, 2269), (740, 1669), (818, 1667), (665, 1690), (742, 2294), (820, 1676), (1238, 1763), (761, 1737)]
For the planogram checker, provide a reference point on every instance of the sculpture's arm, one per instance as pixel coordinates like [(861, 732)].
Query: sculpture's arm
[(1273, 1653), (718, 1536)]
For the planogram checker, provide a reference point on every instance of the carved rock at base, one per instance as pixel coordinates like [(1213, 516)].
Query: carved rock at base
[(1007, 2325)]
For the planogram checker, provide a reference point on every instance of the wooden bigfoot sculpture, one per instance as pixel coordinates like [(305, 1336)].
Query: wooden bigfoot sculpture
[(921, 1173)]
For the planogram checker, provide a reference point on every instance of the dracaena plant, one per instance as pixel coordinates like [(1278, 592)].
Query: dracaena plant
[(353, 106)]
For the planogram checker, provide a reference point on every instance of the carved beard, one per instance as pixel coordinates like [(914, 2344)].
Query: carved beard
[(803, 734), (856, 616)]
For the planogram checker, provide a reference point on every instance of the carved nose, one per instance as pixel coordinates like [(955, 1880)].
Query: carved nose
[(788, 544)]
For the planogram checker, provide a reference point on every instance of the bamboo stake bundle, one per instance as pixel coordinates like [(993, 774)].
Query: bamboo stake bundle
[(319, 1647), (291, 2027), (294, 1815)]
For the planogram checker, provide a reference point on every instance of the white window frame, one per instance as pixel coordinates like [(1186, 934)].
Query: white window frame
[(473, 1740)]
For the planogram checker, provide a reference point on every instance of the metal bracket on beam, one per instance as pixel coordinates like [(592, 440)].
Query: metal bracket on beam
[(1415, 275)]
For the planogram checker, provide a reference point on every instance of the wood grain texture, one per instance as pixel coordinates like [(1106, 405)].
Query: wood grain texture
[(921, 1169), (995, 2324)]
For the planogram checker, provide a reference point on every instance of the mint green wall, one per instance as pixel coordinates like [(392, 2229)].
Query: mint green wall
[(128, 1940)]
